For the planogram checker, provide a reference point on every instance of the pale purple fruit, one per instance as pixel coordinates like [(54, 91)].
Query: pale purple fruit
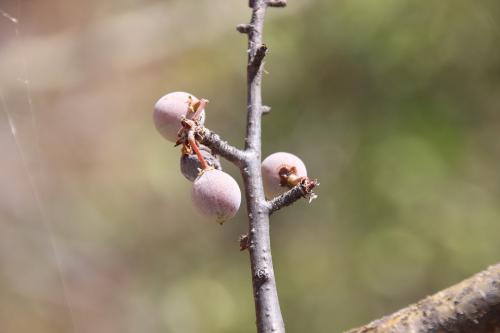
[(170, 109), (273, 168), (216, 195), (190, 164)]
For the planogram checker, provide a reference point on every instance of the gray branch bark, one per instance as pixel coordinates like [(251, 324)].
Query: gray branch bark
[(257, 241), (221, 147), (267, 307), (472, 306)]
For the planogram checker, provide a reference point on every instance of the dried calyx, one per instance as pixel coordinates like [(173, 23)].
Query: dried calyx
[(197, 108), (187, 137), (288, 176)]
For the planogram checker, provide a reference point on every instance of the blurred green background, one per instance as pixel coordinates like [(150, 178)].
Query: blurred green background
[(393, 105)]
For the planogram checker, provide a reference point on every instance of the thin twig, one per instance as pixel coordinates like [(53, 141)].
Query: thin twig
[(473, 305), (301, 190), (221, 147)]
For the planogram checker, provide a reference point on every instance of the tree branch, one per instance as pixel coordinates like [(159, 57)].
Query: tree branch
[(470, 306), (473, 305), (267, 307), (221, 147), (301, 190)]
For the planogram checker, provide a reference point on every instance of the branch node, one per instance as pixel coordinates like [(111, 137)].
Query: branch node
[(244, 28), (262, 275), (276, 3), (266, 109)]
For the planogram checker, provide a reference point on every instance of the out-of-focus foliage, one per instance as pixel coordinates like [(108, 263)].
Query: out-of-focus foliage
[(393, 105)]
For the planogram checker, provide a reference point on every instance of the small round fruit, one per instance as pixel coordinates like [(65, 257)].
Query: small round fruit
[(190, 165), (216, 195), (273, 168), (170, 109)]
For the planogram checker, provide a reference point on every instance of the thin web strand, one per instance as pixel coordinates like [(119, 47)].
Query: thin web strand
[(30, 177), (8, 16)]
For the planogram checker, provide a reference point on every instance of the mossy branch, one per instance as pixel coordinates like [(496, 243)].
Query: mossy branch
[(472, 306)]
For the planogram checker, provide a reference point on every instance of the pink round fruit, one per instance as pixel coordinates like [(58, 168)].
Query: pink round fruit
[(275, 166), (170, 109), (191, 166), (216, 195)]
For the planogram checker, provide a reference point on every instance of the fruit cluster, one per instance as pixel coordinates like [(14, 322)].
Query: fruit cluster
[(215, 194)]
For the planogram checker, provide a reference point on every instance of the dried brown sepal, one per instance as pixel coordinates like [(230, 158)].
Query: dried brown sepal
[(191, 104), (196, 107), (187, 125), (308, 185), (186, 150), (199, 107), (187, 137), (288, 176), (183, 131)]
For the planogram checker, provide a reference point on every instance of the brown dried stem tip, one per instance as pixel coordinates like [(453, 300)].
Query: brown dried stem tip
[(304, 189), (244, 242)]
